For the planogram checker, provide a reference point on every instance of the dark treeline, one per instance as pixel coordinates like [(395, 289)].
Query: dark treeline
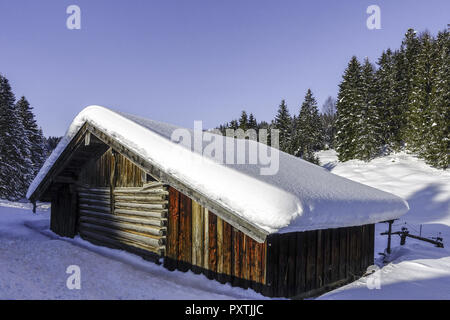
[(23, 148), (401, 103)]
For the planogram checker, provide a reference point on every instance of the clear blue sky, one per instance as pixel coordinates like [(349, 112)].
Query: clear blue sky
[(180, 61)]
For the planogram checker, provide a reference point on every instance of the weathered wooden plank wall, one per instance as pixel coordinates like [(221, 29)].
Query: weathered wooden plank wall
[(98, 173), (200, 241), (308, 263)]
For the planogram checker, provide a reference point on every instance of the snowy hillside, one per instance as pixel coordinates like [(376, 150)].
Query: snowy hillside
[(418, 270)]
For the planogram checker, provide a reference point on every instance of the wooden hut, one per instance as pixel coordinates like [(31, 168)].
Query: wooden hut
[(108, 182)]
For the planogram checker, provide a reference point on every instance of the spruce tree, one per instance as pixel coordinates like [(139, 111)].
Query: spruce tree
[(385, 98), (308, 134), (15, 163), (34, 135), (437, 139), (252, 123), (420, 97), (369, 134), (348, 108), (405, 67), (243, 121), (283, 123)]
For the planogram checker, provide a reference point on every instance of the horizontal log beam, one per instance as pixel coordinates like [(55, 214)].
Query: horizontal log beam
[(153, 230), (105, 209), (142, 206), (93, 196), (127, 191), (134, 198), (148, 240), (157, 222), (95, 202), (118, 243), (152, 213)]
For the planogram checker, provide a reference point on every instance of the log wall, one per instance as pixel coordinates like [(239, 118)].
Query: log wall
[(120, 208), (200, 241)]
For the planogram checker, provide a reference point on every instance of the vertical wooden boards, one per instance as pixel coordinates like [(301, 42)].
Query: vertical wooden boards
[(291, 272), (197, 235), (185, 231), (244, 259), (236, 257), (364, 247), (358, 251), (283, 256), (327, 266), (98, 172), (311, 260), (319, 258), (172, 228), (353, 252), (343, 253), (220, 247), (300, 262), (205, 244), (335, 255), (227, 248), (64, 211), (371, 248), (271, 286), (212, 241)]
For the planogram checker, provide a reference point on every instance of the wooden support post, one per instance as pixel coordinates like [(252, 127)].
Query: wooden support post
[(389, 237), (403, 238), (34, 206)]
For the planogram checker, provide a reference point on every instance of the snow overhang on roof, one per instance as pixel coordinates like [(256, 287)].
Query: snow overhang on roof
[(299, 197)]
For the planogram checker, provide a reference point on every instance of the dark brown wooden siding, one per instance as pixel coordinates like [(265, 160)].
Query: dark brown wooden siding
[(64, 215), (200, 241), (309, 263)]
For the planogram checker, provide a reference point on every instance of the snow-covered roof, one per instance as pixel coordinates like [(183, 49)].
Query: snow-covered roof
[(299, 197)]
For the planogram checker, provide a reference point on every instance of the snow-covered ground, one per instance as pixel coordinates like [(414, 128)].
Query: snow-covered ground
[(33, 261), (417, 270), (33, 264)]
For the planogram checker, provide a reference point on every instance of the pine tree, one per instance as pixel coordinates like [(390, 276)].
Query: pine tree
[(252, 123), (15, 163), (34, 136), (243, 121), (348, 107), (420, 97), (369, 133), (308, 135), (385, 97), (283, 123), (437, 139)]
